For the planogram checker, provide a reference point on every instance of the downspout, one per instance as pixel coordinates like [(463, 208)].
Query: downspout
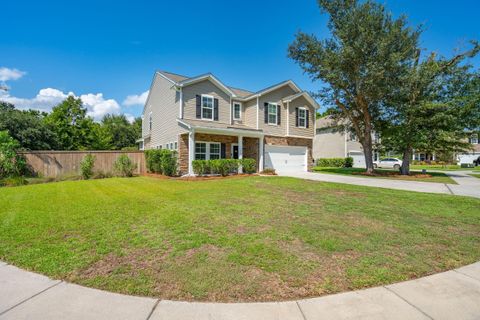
[(258, 111), (345, 134), (180, 108)]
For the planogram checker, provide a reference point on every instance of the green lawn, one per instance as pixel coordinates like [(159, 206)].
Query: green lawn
[(238, 239), (476, 175), (437, 177), (442, 168)]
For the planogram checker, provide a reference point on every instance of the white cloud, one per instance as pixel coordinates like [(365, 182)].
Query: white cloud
[(43, 101), (97, 106), (7, 74), (135, 99)]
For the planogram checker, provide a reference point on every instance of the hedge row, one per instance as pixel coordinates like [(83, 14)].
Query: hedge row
[(223, 166), (161, 161), (335, 162)]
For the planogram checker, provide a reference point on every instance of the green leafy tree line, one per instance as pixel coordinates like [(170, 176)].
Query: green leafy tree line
[(68, 127)]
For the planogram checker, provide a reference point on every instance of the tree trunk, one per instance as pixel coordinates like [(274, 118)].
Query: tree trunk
[(405, 168), (368, 152)]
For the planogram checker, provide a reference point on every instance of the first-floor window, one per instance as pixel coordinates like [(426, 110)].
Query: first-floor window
[(200, 151), (302, 118), (207, 151), (474, 139), (272, 113), (176, 145), (214, 151)]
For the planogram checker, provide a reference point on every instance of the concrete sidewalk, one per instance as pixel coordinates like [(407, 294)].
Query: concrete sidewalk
[(467, 185), (448, 295)]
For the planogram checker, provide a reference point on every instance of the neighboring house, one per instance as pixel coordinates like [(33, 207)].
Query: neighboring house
[(202, 118), (330, 142), (468, 157)]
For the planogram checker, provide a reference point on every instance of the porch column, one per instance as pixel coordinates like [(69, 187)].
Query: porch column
[(240, 152), (191, 151), (260, 156)]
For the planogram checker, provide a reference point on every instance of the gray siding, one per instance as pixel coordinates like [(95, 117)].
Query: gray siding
[(329, 144), (206, 87), (275, 96), (163, 103), (250, 114), (302, 132)]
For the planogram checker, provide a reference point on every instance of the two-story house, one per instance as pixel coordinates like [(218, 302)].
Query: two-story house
[(202, 118)]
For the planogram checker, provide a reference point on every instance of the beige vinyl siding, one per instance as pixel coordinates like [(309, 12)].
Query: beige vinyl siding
[(242, 113), (329, 144), (250, 114), (208, 88), (163, 102), (301, 132), (275, 96)]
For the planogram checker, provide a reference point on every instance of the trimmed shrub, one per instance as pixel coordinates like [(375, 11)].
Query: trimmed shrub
[(11, 163), (201, 167), (161, 161), (124, 166), (86, 166), (334, 162), (249, 165), (222, 166), (348, 162)]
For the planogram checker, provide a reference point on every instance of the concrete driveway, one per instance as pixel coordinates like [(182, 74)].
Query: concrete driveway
[(467, 185), (449, 295)]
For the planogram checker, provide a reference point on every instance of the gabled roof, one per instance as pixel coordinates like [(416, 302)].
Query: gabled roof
[(304, 94), (240, 94)]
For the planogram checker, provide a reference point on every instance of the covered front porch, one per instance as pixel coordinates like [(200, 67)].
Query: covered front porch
[(207, 143)]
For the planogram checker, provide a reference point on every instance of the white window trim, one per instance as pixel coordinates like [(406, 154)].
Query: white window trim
[(305, 117), (276, 113), (207, 149), (240, 111), (150, 121), (201, 106)]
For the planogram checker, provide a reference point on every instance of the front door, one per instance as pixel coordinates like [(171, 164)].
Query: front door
[(234, 152)]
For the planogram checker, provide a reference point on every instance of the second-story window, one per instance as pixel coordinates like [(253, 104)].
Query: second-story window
[(207, 107), (237, 111), (302, 117), (150, 122), (272, 113)]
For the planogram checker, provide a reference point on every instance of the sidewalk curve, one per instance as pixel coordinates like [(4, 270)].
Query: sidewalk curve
[(448, 295)]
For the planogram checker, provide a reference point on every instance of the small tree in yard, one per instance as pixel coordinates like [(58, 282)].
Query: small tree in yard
[(86, 166), (124, 166), (11, 164), (361, 63)]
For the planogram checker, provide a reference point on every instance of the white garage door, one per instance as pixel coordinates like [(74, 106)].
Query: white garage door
[(286, 158), (358, 159), (467, 158)]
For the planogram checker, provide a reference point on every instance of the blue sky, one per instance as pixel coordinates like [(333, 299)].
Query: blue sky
[(105, 51)]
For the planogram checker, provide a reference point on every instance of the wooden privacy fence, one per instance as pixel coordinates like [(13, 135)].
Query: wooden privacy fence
[(59, 163)]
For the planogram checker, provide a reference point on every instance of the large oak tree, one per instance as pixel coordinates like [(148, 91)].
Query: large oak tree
[(360, 63)]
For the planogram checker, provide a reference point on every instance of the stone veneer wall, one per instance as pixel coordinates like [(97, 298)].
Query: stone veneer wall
[(291, 141), (250, 147)]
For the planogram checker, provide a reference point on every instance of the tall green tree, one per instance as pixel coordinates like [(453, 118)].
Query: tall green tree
[(360, 63), (122, 133), (71, 124), (28, 127), (436, 103)]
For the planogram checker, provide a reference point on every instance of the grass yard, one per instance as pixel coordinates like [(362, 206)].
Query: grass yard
[(237, 239), (438, 177), (443, 168), (476, 175)]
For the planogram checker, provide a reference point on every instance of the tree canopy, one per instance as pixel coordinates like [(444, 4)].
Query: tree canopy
[(360, 63)]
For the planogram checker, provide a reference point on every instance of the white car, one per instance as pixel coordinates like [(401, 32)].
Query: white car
[(388, 163)]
